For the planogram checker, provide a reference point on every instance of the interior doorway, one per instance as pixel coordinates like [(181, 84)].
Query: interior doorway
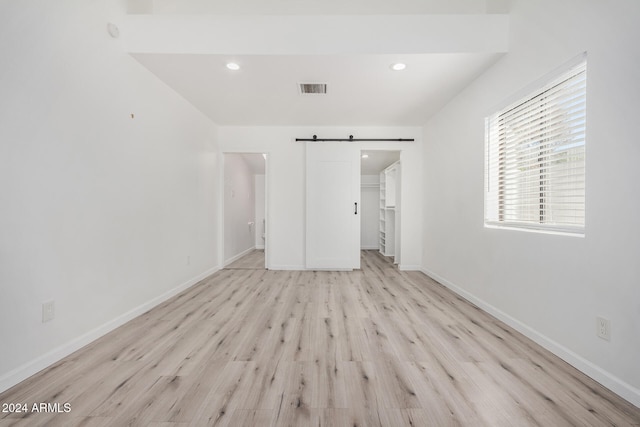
[(244, 210), (381, 202)]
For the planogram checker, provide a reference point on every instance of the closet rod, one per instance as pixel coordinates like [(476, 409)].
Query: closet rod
[(352, 139)]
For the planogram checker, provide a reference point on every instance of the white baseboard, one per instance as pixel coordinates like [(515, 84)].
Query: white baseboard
[(610, 381), (237, 257), (287, 267), (32, 367), (409, 267), (369, 248), (259, 246)]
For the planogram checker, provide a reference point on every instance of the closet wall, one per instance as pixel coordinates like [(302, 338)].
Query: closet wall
[(369, 199)]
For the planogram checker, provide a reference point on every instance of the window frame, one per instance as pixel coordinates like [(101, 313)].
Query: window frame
[(495, 181)]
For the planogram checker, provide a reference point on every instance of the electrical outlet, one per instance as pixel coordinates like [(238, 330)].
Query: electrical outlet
[(603, 328), (48, 311)]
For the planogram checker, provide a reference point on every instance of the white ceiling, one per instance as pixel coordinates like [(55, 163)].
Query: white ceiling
[(377, 161), (321, 7), (361, 89), (351, 54), (255, 161)]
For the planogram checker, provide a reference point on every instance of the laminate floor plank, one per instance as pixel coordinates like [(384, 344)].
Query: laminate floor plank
[(375, 347), (254, 260), (201, 383), (59, 420)]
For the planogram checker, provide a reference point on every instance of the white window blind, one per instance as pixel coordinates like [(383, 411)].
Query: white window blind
[(535, 158)]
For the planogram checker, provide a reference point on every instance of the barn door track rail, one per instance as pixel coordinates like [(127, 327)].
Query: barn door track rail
[(315, 138)]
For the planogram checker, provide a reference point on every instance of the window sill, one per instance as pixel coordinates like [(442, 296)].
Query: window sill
[(530, 228)]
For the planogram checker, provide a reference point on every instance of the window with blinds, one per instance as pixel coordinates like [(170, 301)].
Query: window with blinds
[(535, 158)]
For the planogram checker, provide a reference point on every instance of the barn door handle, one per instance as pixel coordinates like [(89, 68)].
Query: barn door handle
[(356, 211)]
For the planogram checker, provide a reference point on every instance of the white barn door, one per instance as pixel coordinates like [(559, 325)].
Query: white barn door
[(333, 206)]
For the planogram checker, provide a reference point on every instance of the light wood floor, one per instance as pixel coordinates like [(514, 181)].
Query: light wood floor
[(254, 260), (375, 347)]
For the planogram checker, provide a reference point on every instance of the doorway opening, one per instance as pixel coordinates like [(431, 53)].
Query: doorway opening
[(380, 221), (244, 211)]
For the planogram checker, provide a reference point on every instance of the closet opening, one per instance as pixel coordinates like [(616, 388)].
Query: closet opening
[(380, 202)]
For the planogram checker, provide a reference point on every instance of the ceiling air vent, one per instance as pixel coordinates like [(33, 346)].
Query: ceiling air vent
[(313, 88)]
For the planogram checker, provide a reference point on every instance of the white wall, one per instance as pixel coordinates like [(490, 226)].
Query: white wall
[(103, 213), (369, 211), (260, 210), (239, 207), (551, 287), (286, 183)]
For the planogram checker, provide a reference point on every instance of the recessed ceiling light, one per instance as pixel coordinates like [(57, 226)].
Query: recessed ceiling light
[(399, 66), (365, 156), (233, 66)]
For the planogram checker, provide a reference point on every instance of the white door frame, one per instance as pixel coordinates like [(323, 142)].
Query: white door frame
[(398, 216)]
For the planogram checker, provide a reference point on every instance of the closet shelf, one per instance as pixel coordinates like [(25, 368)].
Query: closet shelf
[(389, 182)]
